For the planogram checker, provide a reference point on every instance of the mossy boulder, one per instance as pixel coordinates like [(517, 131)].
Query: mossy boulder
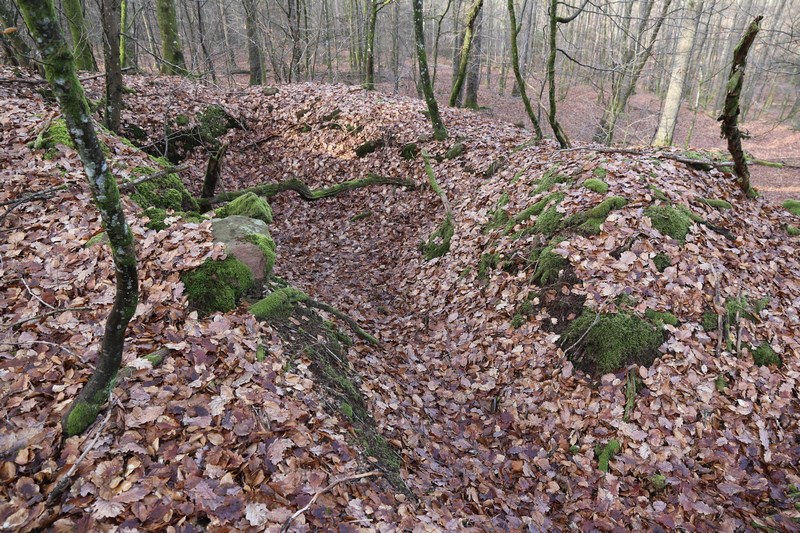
[(215, 121), (670, 220), (249, 241), (606, 342), (596, 185), (164, 192), (279, 304), (217, 285), (248, 205), (53, 135)]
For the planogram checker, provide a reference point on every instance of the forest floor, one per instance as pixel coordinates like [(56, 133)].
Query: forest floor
[(494, 422)]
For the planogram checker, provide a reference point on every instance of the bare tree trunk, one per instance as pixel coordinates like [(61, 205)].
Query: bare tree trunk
[(439, 131), (558, 131), (474, 66), (84, 60), (523, 92), (111, 26), (201, 30), (171, 49), (253, 43), (42, 22), (730, 113), (458, 81), (672, 102)]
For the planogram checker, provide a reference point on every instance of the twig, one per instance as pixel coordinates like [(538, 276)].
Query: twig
[(41, 195), (595, 321), (55, 311), (65, 481), (313, 500)]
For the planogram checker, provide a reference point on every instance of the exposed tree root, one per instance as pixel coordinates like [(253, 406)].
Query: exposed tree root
[(271, 189), (341, 316)]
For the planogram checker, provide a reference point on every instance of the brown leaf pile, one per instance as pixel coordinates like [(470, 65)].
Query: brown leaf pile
[(495, 427)]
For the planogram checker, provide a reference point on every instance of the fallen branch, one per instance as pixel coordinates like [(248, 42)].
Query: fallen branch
[(313, 500), (16, 325), (271, 189), (128, 185), (350, 322), (444, 232)]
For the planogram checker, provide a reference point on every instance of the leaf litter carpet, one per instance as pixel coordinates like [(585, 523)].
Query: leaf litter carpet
[(496, 429)]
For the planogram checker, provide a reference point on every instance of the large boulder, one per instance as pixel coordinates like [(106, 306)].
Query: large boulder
[(249, 241)]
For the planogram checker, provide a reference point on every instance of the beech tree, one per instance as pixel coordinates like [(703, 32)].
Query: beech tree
[(469, 33), (82, 48), (523, 92), (171, 49), (439, 131), (42, 22)]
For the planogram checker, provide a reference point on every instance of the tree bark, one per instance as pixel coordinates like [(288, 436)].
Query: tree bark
[(171, 49), (561, 136), (82, 47), (523, 92), (439, 131), (41, 19), (110, 10), (254, 57), (730, 113), (15, 46), (672, 102), (474, 66), (461, 73)]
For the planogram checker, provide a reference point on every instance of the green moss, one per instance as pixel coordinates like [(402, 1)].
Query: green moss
[(157, 218), (793, 231), (524, 312), (600, 172), (716, 203), (368, 147), (547, 221), (793, 206), (279, 304), (608, 342), (745, 307), (662, 261), (764, 355), (498, 217), (267, 247), (455, 151), (720, 383), (487, 263), (182, 120), (55, 134), (658, 482), (361, 216), (347, 410), (549, 180), (673, 221), (409, 151), (589, 222), (625, 301), (81, 416), (215, 122), (165, 192), (548, 264), (337, 334), (439, 241), (596, 185), (376, 446), (247, 205), (100, 238), (495, 166), (606, 453), (658, 194), (710, 321), (217, 285), (660, 318)]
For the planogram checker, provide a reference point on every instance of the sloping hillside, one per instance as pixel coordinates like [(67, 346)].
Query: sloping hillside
[(566, 364)]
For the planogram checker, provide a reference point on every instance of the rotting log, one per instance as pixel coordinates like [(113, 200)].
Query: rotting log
[(42, 21), (293, 184), (730, 113)]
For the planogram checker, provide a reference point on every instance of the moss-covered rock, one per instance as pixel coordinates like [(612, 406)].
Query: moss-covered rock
[(267, 247), (53, 135), (279, 304), (716, 203), (606, 342), (793, 206), (596, 185), (164, 192), (662, 261), (673, 221), (589, 222), (215, 121), (764, 355), (249, 241), (438, 243), (217, 285), (248, 205)]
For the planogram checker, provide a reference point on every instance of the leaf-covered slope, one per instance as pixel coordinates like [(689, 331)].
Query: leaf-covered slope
[(496, 427)]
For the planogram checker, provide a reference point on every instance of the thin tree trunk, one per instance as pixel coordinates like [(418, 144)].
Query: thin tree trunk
[(171, 49), (730, 113), (41, 19), (523, 92), (458, 81), (15, 46), (439, 131), (82, 47), (253, 43), (372, 21), (474, 66), (111, 47), (203, 47), (561, 136)]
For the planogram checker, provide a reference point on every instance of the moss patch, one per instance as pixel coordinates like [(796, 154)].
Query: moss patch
[(716, 203), (793, 231), (215, 122), (368, 147), (662, 262), (710, 321), (602, 343), (660, 318), (55, 134), (548, 264), (745, 307), (455, 151), (248, 205), (217, 285), (589, 222), (600, 172), (165, 192), (438, 243), (596, 185), (487, 263), (82, 415), (793, 206), (278, 305), (764, 355), (549, 180), (267, 246), (673, 221), (606, 453), (409, 151), (658, 194), (498, 217)]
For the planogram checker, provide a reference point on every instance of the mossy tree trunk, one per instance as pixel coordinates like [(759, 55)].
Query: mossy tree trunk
[(523, 92), (469, 33), (172, 51), (13, 44), (473, 81), (730, 113), (82, 47), (439, 131), (41, 19), (254, 57), (111, 13)]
